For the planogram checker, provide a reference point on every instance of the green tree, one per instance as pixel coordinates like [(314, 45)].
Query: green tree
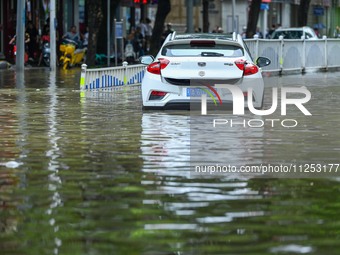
[(205, 15), (303, 12), (253, 16), (102, 36), (95, 17), (163, 9)]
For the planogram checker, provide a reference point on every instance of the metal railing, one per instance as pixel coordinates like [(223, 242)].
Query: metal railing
[(111, 77), (285, 56), (296, 55)]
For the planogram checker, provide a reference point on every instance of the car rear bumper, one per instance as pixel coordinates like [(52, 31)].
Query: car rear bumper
[(185, 105)]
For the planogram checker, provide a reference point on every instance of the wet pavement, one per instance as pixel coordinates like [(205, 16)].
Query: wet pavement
[(98, 175)]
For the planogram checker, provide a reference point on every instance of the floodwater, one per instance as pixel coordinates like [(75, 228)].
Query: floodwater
[(98, 175)]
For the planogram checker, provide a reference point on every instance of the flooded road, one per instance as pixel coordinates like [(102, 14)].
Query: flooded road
[(98, 175)]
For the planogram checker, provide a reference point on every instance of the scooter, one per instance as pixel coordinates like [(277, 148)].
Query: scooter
[(13, 52), (130, 55), (46, 51), (71, 54)]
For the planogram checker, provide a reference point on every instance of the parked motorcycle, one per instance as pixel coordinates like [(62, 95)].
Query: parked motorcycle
[(13, 51), (46, 51), (71, 54), (130, 55)]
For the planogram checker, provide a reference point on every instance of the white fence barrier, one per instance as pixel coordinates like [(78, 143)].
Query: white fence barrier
[(111, 77), (296, 55), (285, 56)]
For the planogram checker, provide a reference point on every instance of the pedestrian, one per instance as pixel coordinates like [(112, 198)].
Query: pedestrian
[(270, 32), (86, 37), (167, 31), (72, 35), (244, 32), (143, 27), (34, 40), (148, 34), (216, 29), (27, 40), (138, 42), (46, 26), (198, 30), (259, 33)]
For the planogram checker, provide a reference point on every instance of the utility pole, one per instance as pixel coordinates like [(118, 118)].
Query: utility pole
[(20, 36), (233, 16), (53, 47), (108, 33)]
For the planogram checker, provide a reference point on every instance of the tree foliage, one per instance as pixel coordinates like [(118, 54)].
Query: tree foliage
[(102, 36), (253, 17), (163, 9), (205, 15), (95, 17), (303, 12), (97, 25)]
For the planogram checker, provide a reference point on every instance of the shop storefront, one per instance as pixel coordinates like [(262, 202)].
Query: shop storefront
[(68, 13)]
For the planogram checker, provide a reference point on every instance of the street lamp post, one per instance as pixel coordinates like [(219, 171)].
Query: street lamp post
[(233, 16), (108, 33), (20, 36), (53, 47)]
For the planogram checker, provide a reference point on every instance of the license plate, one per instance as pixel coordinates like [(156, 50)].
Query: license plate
[(195, 92)]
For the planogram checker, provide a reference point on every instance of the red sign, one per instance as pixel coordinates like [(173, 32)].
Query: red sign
[(139, 1)]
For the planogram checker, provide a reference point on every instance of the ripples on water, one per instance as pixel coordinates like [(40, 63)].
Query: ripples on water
[(97, 175)]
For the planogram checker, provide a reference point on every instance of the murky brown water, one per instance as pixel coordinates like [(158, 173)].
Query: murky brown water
[(97, 175)]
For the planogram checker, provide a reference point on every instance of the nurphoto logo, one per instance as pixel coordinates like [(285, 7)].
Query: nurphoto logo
[(239, 104)]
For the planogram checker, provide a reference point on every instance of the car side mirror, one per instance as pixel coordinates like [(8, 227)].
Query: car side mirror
[(262, 61), (146, 60)]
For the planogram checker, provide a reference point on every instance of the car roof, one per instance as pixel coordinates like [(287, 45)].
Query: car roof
[(293, 29), (221, 38)]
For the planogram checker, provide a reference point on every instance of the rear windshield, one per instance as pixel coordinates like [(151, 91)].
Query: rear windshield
[(189, 50), (291, 34)]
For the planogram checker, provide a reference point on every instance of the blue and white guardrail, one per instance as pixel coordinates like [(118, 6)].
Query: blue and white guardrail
[(111, 77)]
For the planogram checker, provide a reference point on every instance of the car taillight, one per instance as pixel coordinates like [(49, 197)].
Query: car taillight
[(247, 68), (250, 69), (240, 64), (156, 67), (157, 95)]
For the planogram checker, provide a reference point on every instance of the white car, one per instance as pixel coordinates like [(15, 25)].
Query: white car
[(295, 33), (186, 62)]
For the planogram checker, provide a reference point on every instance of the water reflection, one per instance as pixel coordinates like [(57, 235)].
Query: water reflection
[(165, 143), (97, 175), (55, 182)]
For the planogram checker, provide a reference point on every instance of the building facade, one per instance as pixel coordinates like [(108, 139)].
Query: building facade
[(324, 15)]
